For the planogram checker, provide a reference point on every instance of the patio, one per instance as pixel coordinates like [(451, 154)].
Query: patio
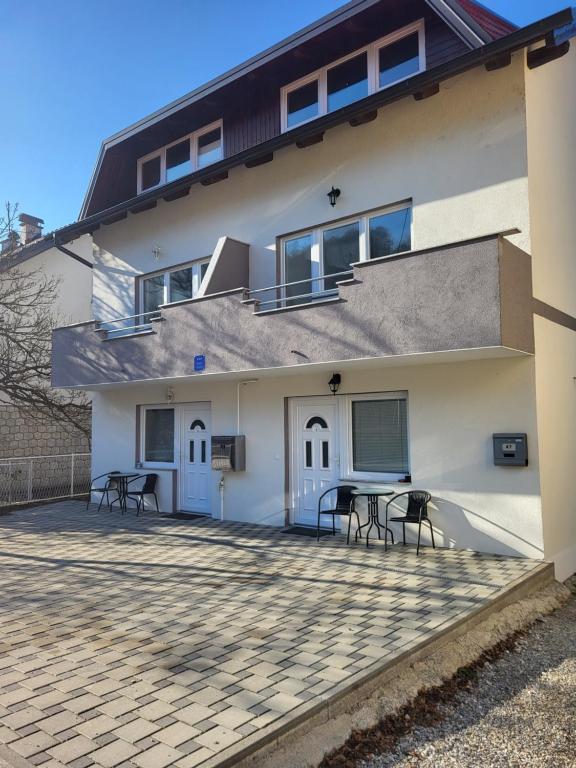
[(152, 642)]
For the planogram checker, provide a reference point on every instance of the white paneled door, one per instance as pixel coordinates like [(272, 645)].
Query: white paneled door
[(195, 471), (315, 456)]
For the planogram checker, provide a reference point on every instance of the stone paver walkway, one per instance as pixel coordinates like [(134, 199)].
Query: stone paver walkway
[(146, 643)]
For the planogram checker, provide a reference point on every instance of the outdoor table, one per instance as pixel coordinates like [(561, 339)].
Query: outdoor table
[(373, 493), (122, 479)]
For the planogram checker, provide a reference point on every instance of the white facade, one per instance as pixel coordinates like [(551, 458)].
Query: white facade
[(470, 162)]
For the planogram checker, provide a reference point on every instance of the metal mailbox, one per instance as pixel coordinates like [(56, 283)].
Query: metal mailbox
[(229, 453), (511, 449)]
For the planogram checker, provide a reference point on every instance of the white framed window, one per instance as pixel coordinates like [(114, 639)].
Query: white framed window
[(183, 156), (172, 285), (379, 65), (309, 258), (376, 433), (158, 435)]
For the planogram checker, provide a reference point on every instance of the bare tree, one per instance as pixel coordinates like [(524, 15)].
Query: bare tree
[(27, 317)]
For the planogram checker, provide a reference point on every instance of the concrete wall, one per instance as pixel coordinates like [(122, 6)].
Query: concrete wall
[(22, 435), (461, 157), (453, 411), (551, 115), (74, 302)]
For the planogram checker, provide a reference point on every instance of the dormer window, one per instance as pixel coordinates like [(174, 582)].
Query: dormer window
[(195, 151), (380, 65)]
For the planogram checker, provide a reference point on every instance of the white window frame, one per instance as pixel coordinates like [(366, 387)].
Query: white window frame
[(195, 265), (159, 464), (346, 449), (373, 49), (161, 153), (317, 233)]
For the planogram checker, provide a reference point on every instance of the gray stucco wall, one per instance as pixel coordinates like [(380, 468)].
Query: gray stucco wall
[(436, 300)]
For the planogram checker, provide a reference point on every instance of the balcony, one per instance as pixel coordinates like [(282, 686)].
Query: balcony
[(473, 295)]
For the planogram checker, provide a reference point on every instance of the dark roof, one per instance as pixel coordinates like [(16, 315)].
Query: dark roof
[(450, 11), (488, 36)]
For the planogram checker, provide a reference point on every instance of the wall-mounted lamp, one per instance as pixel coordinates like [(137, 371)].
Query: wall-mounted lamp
[(333, 195), (335, 382), (156, 253), (170, 395)]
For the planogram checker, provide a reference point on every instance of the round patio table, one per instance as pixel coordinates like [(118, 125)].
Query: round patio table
[(122, 479), (373, 493)]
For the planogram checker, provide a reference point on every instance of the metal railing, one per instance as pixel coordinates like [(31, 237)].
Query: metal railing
[(131, 325), (43, 478), (285, 298)]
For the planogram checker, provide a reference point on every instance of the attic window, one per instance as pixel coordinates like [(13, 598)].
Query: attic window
[(379, 65), (197, 150)]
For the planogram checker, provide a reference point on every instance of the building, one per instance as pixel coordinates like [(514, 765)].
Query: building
[(29, 251), (384, 196)]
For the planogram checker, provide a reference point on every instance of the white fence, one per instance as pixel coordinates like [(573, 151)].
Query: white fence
[(43, 478)]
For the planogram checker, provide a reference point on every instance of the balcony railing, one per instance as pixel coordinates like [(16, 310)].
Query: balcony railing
[(131, 325), (470, 295), (285, 298)]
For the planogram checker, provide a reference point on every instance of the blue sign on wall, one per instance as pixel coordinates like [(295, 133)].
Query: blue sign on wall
[(199, 362)]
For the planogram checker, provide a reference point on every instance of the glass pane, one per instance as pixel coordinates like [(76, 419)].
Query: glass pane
[(399, 60), (391, 233), (325, 455), (204, 269), (209, 147), (302, 104), (181, 284), (348, 82), (308, 454), (341, 248), (178, 160), (153, 293), (159, 436), (203, 458), (298, 264), (380, 436), (191, 451), (151, 173)]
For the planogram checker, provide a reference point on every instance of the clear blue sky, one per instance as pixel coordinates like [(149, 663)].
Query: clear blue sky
[(76, 71)]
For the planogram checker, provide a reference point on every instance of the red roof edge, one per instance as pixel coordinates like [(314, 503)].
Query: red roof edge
[(491, 22)]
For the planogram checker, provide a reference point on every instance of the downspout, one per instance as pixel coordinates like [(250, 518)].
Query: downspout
[(221, 483)]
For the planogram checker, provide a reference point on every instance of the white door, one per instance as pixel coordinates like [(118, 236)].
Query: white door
[(195, 464), (315, 456)]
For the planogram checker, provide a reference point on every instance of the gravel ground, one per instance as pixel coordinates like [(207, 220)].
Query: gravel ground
[(521, 714)]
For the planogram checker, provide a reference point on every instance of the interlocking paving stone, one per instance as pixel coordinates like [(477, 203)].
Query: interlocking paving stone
[(145, 642)]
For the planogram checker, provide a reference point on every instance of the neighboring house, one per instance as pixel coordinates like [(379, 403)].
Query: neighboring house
[(28, 250), (401, 178)]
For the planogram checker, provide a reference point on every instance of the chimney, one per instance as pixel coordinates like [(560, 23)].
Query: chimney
[(30, 228)]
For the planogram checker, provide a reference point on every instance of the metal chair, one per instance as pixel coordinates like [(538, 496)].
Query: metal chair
[(109, 485), (148, 489), (416, 513), (344, 508)]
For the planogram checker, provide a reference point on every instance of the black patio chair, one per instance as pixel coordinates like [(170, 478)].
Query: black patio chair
[(148, 489), (344, 507), (104, 489), (416, 513)]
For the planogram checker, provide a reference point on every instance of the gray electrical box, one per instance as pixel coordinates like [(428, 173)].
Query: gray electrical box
[(511, 449), (229, 453)]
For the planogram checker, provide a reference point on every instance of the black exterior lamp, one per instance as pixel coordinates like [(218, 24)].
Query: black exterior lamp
[(335, 382), (333, 195)]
